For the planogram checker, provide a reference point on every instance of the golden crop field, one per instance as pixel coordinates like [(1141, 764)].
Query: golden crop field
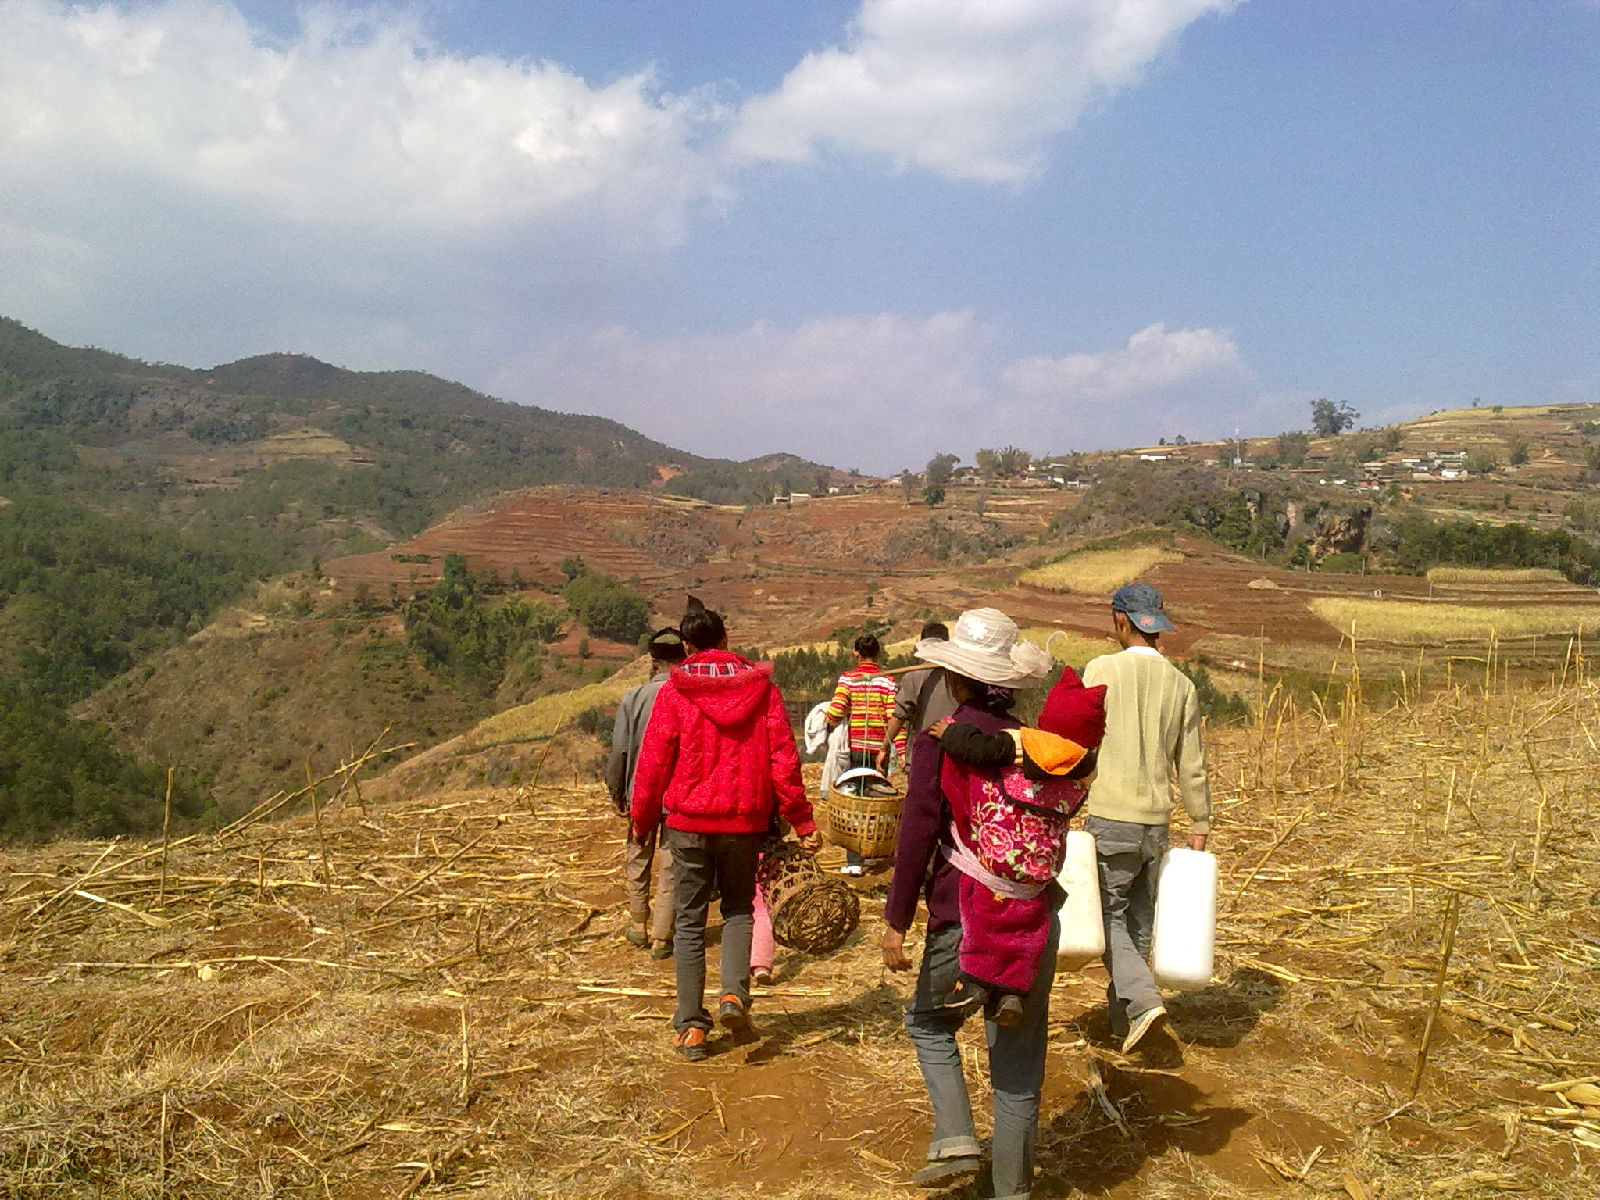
[(544, 716), (1495, 575), (1066, 646), (1428, 622), (304, 442), (1098, 572)]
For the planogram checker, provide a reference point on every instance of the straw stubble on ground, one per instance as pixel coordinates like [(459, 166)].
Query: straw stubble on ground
[(432, 997)]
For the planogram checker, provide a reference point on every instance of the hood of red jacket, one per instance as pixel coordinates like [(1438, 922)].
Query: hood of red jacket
[(727, 688)]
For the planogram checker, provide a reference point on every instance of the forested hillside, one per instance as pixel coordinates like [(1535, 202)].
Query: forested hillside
[(137, 498)]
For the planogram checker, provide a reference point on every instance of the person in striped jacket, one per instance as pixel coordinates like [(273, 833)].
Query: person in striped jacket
[(864, 699)]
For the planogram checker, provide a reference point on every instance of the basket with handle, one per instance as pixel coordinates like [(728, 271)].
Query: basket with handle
[(868, 824), (810, 911)]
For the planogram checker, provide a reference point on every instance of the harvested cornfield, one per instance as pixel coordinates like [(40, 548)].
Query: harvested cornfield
[(431, 997), (1067, 646), (1098, 572), (1425, 622), (1495, 575)]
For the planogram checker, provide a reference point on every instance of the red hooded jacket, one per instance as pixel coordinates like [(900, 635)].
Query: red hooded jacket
[(718, 752)]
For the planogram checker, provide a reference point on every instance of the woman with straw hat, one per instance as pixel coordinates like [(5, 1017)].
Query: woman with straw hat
[(983, 662)]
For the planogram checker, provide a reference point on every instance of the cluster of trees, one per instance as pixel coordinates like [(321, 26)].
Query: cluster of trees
[(457, 632), (1005, 463), (1216, 705), (92, 582), (940, 470), (1184, 496), (1256, 521), (63, 775), (1583, 515), (607, 608), (734, 483), (807, 675), (1414, 542), (1346, 451), (1330, 419)]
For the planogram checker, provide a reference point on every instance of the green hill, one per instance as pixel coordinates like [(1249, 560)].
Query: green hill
[(136, 499)]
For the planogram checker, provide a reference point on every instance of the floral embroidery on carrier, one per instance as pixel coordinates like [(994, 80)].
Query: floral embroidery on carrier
[(1019, 825)]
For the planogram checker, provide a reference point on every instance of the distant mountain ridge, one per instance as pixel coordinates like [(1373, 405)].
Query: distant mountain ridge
[(439, 443), (138, 499)]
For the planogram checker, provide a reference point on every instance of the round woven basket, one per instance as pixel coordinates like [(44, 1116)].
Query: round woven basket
[(810, 911), (869, 825)]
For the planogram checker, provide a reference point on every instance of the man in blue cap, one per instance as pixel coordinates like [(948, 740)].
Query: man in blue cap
[(1152, 739)]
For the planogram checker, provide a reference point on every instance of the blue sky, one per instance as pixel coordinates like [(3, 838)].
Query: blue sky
[(862, 232)]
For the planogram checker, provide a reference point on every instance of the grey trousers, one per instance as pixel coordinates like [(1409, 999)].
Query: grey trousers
[(701, 861), (637, 863), (1016, 1064), (1130, 857)]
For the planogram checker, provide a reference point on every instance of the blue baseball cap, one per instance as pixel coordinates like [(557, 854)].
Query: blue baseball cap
[(1142, 605)]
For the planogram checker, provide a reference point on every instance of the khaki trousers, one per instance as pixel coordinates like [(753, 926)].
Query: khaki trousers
[(637, 862)]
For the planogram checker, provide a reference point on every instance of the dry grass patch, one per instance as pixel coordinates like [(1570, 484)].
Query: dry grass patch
[(1067, 646), (1495, 575), (1427, 622), (544, 716), (303, 441), (432, 998), (1098, 572)]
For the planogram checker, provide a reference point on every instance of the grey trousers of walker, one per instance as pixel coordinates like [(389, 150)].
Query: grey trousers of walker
[(699, 862), (1130, 857), (1016, 1064)]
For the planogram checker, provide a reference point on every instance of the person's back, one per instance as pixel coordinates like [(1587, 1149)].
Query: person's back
[(921, 698), (720, 754), (717, 756), (864, 700), (649, 926), (863, 703), (633, 714), (1152, 735)]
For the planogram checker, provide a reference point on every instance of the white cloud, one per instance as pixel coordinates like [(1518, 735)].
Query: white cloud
[(355, 122), (180, 185), (887, 391), (1153, 363), (1161, 383), (873, 391), (972, 89)]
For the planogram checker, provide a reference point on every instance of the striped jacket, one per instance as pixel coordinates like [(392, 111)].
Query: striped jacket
[(866, 697)]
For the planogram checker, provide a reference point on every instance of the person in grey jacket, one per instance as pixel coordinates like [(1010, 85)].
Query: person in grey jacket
[(633, 714)]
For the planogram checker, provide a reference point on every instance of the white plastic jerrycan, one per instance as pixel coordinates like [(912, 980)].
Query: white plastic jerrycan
[(1083, 931), (1184, 940)]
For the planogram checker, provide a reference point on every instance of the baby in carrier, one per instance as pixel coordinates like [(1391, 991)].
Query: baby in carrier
[(1028, 784)]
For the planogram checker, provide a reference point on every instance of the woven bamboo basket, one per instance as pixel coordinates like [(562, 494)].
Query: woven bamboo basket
[(810, 911), (869, 825)]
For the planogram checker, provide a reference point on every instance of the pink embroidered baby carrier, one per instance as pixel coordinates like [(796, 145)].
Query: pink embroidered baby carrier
[(1019, 825)]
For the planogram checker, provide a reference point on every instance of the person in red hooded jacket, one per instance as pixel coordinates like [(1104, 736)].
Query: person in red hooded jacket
[(719, 757)]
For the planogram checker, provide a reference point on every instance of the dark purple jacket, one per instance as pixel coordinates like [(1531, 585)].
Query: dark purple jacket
[(924, 828)]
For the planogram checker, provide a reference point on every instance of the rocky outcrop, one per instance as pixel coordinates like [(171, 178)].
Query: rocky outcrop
[(1338, 531)]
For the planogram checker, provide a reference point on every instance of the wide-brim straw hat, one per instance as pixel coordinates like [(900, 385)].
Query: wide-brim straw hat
[(984, 646)]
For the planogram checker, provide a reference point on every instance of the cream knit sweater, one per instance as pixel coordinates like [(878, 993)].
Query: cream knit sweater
[(1152, 738)]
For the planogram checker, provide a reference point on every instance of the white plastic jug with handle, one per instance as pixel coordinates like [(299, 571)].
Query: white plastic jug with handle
[(1083, 931), (1183, 943)]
